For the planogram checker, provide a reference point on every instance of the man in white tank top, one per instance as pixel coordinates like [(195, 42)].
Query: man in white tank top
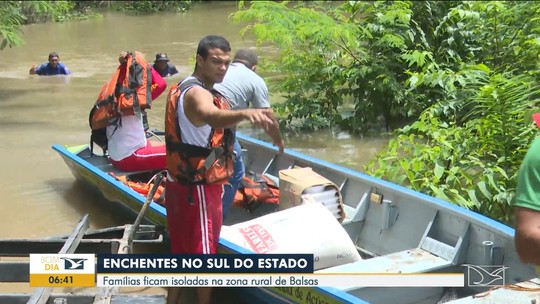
[(194, 212)]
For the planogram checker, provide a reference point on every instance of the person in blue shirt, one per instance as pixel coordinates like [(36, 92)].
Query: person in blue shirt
[(163, 67), (53, 67)]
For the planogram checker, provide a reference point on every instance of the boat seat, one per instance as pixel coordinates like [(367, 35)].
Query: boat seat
[(430, 255), (415, 260)]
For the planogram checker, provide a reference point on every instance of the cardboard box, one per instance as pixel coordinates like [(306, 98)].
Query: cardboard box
[(294, 182)]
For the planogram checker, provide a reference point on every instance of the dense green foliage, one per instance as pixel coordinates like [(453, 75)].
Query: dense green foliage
[(152, 6), (13, 14), (466, 71)]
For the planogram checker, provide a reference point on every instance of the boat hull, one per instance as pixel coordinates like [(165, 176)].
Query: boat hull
[(116, 192), (401, 232)]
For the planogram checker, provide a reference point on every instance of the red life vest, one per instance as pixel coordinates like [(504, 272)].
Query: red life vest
[(192, 164), (255, 190)]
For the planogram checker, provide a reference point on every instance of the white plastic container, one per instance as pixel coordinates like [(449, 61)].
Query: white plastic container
[(328, 198), (314, 189), (325, 195), (330, 203)]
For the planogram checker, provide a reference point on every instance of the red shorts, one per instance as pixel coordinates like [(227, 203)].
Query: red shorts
[(151, 157), (194, 225)]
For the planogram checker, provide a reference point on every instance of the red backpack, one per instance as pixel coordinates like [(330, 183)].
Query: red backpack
[(127, 92)]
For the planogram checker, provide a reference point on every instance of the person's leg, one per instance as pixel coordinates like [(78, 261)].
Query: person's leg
[(194, 222), (174, 295), (175, 195), (151, 157), (193, 217), (229, 190), (204, 295), (211, 195)]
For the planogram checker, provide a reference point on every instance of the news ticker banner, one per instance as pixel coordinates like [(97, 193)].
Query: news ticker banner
[(282, 280), (229, 270)]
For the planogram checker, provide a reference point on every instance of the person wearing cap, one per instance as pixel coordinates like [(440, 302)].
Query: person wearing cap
[(53, 67), (163, 67), (244, 88), (527, 204)]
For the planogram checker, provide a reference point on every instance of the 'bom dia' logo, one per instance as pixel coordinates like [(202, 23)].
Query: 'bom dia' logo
[(57, 263)]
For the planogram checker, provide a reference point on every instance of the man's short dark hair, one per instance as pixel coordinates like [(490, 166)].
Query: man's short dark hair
[(247, 57), (212, 42), (53, 54)]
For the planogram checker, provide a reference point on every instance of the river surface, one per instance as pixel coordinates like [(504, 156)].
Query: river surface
[(38, 195)]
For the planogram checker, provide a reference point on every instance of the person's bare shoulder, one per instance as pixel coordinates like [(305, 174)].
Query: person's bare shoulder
[(198, 94), (197, 103)]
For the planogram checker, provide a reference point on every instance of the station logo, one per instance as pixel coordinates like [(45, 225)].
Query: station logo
[(54, 270), (482, 275), (73, 263)]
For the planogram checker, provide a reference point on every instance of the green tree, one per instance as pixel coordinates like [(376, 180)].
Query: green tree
[(471, 160), (13, 14), (467, 146), (153, 6), (468, 70)]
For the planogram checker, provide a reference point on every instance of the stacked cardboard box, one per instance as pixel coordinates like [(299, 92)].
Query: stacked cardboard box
[(302, 186)]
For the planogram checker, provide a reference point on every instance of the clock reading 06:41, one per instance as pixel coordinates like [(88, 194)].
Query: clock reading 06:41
[(60, 280)]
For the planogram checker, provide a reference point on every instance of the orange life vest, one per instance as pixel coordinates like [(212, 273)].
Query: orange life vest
[(144, 189), (255, 190), (192, 164), (128, 96)]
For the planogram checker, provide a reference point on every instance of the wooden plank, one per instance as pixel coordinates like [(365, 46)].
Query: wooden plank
[(104, 295), (138, 299), (75, 238), (14, 271), (41, 295), (22, 247), (16, 298)]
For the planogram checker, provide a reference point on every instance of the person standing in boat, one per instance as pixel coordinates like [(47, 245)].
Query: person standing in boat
[(128, 147), (243, 87), (53, 67), (199, 139), (527, 204)]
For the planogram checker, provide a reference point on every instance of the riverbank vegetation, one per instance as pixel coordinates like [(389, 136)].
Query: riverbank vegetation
[(463, 74), (13, 14)]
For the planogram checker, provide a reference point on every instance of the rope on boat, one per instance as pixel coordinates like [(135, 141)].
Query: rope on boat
[(153, 133), (513, 287), (163, 173)]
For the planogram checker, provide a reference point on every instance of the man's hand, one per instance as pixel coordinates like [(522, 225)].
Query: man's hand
[(122, 57), (260, 118), (266, 119), (32, 70)]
